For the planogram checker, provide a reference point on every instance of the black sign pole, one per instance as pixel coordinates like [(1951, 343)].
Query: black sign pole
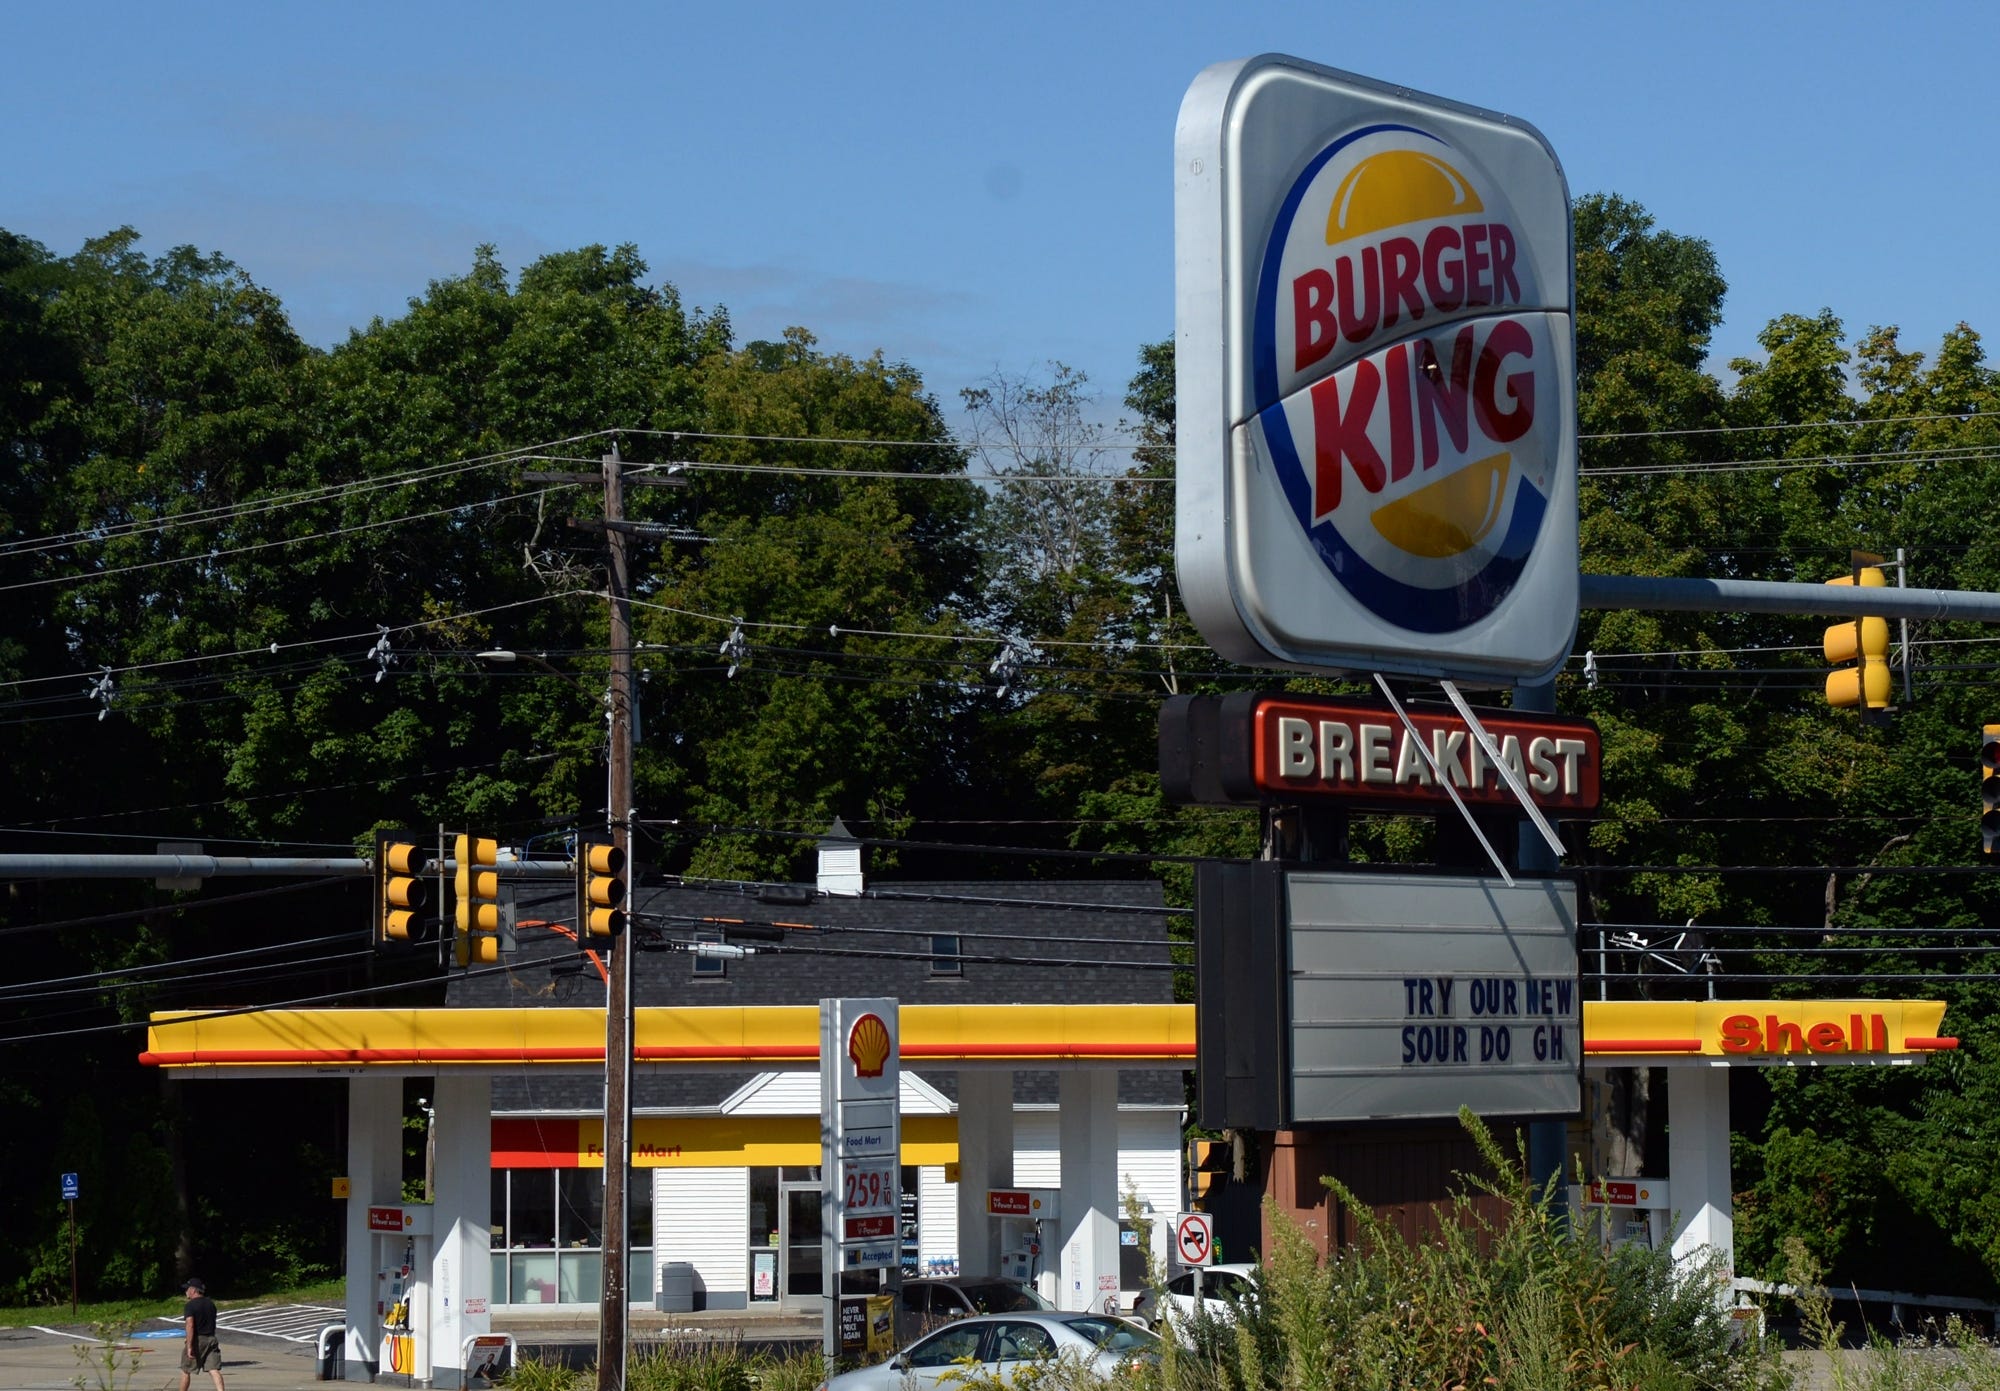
[(72, 1258)]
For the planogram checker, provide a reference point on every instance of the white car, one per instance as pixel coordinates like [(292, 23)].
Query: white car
[(1222, 1286), (995, 1346)]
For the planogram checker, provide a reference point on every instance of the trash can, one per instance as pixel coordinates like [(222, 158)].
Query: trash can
[(676, 1291)]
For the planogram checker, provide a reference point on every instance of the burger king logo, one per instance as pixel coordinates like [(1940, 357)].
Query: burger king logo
[(1405, 376)]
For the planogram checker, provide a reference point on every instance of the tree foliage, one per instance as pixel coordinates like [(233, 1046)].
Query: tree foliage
[(224, 521)]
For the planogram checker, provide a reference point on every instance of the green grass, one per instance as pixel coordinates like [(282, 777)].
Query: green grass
[(130, 1313)]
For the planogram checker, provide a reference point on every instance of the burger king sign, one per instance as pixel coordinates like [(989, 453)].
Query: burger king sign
[(1375, 361)]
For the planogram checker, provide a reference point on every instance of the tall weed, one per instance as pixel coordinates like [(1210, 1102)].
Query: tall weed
[(533, 1374), (1512, 1302), (110, 1362), (1955, 1358), (689, 1364)]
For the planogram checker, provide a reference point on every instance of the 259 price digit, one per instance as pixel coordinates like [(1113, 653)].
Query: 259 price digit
[(868, 1188)]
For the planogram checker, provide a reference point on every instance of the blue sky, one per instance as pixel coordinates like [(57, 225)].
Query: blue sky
[(969, 188)]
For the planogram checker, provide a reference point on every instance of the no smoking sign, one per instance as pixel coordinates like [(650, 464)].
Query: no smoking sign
[(1194, 1239)]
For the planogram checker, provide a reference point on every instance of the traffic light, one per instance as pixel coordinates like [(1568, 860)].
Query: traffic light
[(401, 893), (1865, 642), (600, 888), (1210, 1173), (1989, 788), (477, 885)]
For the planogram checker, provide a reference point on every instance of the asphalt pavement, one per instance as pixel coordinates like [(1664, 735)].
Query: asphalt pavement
[(47, 1358), (53, 1357), (275, 1347)]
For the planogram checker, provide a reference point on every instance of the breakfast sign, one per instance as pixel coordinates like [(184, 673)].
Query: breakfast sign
[(1254, 746), (1375, 362)]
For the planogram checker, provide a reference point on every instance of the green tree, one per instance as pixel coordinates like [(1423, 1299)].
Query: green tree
[(837, 537)]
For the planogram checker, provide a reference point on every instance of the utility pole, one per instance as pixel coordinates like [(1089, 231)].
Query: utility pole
[(621, 698), (612, 1342)]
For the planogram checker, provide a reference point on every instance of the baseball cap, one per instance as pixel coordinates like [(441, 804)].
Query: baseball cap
[(195, 1283)]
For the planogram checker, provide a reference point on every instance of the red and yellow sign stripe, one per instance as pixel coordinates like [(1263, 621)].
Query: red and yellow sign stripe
[(768, 1036), (945, 1036)]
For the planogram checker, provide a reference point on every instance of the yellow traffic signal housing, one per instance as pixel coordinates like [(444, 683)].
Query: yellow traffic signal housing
[(477, 886), (402, 896), (1865, 642), (1209, 1174), (1989, 788), (600, 889)]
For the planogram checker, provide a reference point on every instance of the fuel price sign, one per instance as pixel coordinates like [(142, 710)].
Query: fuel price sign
[(868, 1186)]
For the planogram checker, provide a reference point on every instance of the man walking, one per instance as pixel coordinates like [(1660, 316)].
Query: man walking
[(200, 1352)]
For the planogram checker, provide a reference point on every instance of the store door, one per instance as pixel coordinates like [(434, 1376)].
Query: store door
[(800, 1276)]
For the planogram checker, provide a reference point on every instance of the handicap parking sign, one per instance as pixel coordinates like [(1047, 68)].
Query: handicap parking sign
[(69, 1186)]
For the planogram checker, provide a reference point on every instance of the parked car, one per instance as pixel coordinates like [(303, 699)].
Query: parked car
[(1222, 1287), (996, 1346), (927, 1303)]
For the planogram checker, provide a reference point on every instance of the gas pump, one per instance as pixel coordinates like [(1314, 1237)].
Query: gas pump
[(401, 1241), (1023, 1213), (1626, 1211), (1020, 1249)]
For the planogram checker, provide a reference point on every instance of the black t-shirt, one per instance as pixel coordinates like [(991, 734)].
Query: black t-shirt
[(202, 1310)]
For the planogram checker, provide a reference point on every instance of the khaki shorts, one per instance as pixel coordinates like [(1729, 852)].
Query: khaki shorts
[(206, 1357)]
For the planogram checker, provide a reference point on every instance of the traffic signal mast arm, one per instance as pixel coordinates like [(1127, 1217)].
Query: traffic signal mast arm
[(1655, 594)]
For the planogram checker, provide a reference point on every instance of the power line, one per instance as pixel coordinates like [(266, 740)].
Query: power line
[(211, 556), (189, 906), (146, 971), (274, 647), (1852, 424), (1969, 454), (114, 981)]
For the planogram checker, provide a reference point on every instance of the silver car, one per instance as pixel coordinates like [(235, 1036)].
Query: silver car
[(997, 1345), (924, 1304)]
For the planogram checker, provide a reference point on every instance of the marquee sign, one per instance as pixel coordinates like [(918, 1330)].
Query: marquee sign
[(1260, 747), (1376, 378), (1414, 995)]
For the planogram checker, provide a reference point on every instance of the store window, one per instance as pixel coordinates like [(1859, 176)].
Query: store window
[(548, 1236)]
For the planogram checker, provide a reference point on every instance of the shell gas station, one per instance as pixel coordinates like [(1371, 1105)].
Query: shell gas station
[(446, 1241)]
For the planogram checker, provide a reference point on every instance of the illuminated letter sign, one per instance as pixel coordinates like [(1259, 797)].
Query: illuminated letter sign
[(1376, 377), (1253, 747)]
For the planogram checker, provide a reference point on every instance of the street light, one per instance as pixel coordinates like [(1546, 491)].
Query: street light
[(507, 656)]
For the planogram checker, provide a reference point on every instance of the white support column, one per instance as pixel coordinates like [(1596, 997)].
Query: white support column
[(1698, 1161), (461, 1283), (985, 1162), (375, 1177), (1087, 1131)]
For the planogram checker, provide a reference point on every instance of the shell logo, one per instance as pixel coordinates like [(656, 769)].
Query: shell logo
[(1404, 377), (868, 1045)]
